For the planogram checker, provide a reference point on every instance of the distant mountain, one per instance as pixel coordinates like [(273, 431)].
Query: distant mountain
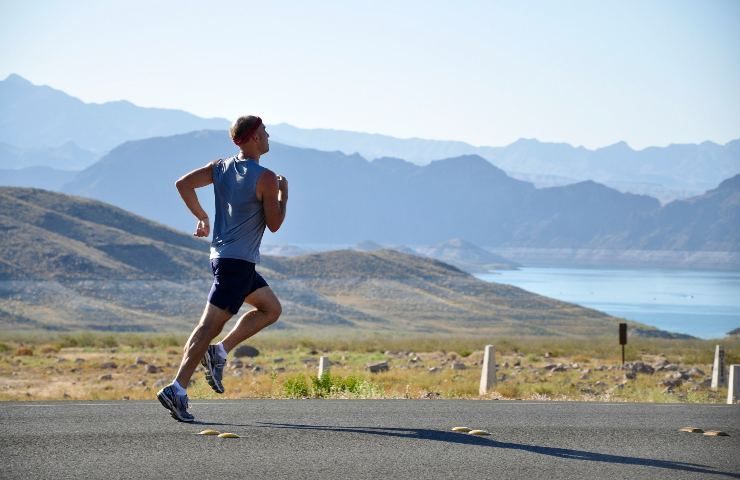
[(65, 157), (69, 263), (670, 172), (340, 199), (92, 126), (467, 256), (36, 177)]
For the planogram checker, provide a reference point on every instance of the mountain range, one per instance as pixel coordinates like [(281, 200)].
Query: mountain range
[(345, 199), (71, 134), (71, 263), (668, 173), (38, 117)]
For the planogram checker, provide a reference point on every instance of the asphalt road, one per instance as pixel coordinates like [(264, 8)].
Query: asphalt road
[(374, 439)]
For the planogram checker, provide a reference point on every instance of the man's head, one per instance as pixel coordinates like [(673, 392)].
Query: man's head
[(249, 134)]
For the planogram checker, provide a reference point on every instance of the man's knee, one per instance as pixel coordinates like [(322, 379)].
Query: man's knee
[(273, 311)]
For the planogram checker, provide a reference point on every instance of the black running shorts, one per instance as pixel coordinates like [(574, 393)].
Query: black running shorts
[(233, 281)]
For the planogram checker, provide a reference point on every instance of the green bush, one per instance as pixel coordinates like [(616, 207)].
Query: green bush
[(295, 386), (4, 348)]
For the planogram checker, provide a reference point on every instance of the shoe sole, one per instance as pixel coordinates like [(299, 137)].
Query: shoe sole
[(166, 403), (206, 362)]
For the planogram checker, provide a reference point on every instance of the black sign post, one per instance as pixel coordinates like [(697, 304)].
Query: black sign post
[(623, 339)]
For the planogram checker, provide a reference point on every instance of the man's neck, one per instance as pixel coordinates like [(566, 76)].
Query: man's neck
[(247, 156)]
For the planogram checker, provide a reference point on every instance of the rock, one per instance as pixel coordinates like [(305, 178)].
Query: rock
[(414, 359), (586, 371), (313, 352), (141, 383), (630, 375), (105, 377), (431, 395), (108, 365), (506, 364), (278, 369), (549, 366), (309, 360), (256, 369), (433, 369), (559, 368), (695, 372), (672, 380), (599, 384), (518, 363), (152, 369), (660, 363), (671, 367), (377, 367), (457, 366), (640, 367), (236, 363), (278, 360), (548, 355), (140, 361), (246, 351)]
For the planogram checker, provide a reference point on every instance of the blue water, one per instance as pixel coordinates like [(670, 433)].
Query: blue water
[(700, 303)]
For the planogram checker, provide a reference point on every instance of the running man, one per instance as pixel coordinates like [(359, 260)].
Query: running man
[(248, 198)]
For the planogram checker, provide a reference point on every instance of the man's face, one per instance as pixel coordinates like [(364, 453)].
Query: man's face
[(262, 137)]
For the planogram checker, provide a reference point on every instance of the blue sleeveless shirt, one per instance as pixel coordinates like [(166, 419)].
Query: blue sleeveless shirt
[(240, 220)]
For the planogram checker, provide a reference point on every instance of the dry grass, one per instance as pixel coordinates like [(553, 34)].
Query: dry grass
[(72, 366)]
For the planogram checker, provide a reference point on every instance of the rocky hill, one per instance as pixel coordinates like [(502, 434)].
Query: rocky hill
[(70, 263)]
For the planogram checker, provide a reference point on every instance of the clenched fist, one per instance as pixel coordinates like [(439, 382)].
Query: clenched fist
[(203, 228)]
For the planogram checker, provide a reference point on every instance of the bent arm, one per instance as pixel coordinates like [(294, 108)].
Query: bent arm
[(187, 184), (274, 200)]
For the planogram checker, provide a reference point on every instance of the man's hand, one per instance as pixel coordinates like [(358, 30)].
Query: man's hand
[(283, 186), (203, 228)]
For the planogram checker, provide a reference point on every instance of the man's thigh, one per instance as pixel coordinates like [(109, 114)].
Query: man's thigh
[(263, 299)]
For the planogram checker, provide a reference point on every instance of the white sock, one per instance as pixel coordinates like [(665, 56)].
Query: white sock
[(179, 388), (221, 350)]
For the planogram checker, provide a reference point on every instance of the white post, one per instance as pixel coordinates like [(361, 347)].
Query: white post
[(323, 366), (733, 386), (488, 375), (718, 370)]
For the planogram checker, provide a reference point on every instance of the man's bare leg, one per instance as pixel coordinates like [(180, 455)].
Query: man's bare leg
[(211, 323), (267, 310)]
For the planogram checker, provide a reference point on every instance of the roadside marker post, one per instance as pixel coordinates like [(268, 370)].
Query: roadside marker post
[(718, 370), (623, 339), (488, 374), (733, 386), (323, 366)]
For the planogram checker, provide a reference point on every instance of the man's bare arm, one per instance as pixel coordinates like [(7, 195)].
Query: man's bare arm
[(273, 191), (186, 185)]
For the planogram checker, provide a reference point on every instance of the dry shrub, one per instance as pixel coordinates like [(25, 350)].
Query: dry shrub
[(508, 390), (49, 348), (23, 351)]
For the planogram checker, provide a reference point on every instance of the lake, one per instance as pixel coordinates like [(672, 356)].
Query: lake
[(700, 303)]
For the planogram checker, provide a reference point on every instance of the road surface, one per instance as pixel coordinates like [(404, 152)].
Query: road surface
[(373, 439)]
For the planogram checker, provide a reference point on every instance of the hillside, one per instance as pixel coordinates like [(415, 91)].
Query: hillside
[(70, 263)]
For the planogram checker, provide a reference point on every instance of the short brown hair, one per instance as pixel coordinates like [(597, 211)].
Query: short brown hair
[(243, 127)]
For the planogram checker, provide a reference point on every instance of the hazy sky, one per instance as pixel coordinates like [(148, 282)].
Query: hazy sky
[(584, 72)]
